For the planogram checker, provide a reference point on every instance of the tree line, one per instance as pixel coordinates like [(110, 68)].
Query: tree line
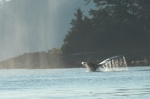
[(113, 26), (35, 60)]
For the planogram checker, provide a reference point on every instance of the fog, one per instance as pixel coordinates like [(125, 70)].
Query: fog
[(34, 25)]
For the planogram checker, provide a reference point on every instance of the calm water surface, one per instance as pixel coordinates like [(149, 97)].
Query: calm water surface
[(75, 83)]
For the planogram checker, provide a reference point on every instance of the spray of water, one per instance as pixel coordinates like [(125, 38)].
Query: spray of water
[(34, 25), (116, 63), (26, 26)]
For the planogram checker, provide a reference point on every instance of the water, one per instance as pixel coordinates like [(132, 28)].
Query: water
[(75, 83)]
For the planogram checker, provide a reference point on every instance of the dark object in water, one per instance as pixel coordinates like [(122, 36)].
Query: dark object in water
[(116, 63), (90, 66)]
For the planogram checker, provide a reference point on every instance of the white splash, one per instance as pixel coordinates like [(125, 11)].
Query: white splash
[(116, 63)]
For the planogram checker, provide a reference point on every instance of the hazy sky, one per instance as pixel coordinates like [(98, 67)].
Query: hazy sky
[(35, 25)]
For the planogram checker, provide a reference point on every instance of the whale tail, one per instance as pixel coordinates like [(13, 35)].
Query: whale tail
[(116, 63)]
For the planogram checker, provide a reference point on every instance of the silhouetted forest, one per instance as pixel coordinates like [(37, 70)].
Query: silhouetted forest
[(114, 26)]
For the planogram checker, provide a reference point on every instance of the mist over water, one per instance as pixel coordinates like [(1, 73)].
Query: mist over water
[(34, 25)]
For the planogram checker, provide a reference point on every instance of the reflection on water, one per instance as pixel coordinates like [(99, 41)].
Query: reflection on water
[(75, 83)]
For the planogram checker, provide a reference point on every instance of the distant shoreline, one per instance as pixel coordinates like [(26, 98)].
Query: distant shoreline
[(49, 60)]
